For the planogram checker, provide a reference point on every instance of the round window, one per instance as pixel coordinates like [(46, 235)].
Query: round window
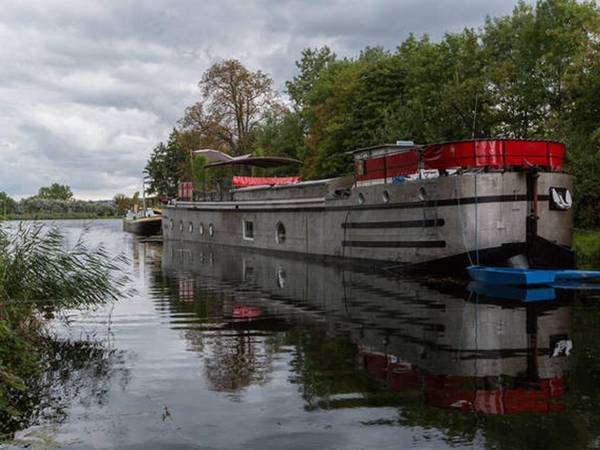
[(361, 199), (191, 227), (280, 233), (181, 225), (201, 228), (211, 230), (171, 224), (385, 197)]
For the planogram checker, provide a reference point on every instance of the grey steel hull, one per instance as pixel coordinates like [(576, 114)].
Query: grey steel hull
[(448, 219)]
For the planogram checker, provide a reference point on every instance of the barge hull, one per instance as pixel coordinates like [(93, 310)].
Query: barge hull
[(432, 221)]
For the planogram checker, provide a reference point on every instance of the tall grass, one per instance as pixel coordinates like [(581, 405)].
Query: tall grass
[(40, 275)]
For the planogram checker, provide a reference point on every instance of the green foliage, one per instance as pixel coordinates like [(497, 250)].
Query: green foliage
[(587, 246), (199, 174), (168, 166), (7, 204), (281, 134), (310, 66), (55, 192), (124, 203), (38, 208)]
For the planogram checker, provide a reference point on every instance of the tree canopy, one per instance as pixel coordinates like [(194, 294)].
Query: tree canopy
[(55, 191), (233, 102)]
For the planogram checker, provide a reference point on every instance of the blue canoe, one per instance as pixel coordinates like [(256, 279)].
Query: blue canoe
[(527, 277)]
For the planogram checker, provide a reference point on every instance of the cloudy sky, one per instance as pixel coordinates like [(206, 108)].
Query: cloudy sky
[(87, 88)]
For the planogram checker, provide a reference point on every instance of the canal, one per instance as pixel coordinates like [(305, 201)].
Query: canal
[(221, 348)]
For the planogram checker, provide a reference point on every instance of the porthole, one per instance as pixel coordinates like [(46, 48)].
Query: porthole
[(181, 226), (201, 229), (171, 224), (211, 230), (280, 233), (191, 227), (385, 196), (361, 199)]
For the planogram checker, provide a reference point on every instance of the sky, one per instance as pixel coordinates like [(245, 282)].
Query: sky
[(88, 88)]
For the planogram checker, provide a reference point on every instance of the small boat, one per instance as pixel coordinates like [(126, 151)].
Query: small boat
[(511, 276), (527, 277), (143, 223)]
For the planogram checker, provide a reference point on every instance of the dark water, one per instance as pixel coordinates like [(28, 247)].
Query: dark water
[(224, 348)]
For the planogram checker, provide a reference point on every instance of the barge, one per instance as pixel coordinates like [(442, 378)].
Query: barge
[(502, 202), (145, 223)]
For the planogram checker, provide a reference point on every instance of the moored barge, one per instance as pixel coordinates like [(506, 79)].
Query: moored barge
[(494, 202)]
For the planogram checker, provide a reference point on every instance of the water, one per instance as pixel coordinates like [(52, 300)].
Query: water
[(225, 348)]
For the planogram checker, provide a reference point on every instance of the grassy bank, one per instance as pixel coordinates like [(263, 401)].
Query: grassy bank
[(586, 244)]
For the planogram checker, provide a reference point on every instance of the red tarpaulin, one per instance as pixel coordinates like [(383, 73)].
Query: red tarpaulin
[(258, 181)]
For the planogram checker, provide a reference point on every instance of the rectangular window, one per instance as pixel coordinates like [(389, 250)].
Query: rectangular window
[(248, 229)]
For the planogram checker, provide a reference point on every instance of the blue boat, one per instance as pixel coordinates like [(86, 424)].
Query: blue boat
[(527, 277), (510, 276)]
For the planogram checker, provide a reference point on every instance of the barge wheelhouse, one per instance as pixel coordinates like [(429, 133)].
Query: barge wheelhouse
[(502, 202)]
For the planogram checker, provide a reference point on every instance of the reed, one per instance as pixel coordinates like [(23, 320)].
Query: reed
[(41, 274)]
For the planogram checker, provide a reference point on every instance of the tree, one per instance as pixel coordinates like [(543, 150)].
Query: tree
[(55, 192), (198, 171), (124, 203), (167, 166), (7, 204), (233, 102), (310, 66), (281, 134)]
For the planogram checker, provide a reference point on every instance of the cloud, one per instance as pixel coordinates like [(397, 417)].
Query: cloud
[(89, 88)]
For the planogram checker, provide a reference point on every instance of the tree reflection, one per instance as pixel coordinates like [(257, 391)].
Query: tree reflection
[(238, 359), (70, 372)]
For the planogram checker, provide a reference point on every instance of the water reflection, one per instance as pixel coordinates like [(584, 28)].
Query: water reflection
[(469, 352), (72, 372)]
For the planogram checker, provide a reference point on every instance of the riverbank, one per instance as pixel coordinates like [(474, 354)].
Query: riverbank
[(586, 244), (65, 216)]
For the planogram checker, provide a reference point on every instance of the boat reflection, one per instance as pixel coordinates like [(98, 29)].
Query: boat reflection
[(450, 347)]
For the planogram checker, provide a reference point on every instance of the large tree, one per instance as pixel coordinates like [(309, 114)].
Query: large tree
[(233, 102), (168, 165)]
